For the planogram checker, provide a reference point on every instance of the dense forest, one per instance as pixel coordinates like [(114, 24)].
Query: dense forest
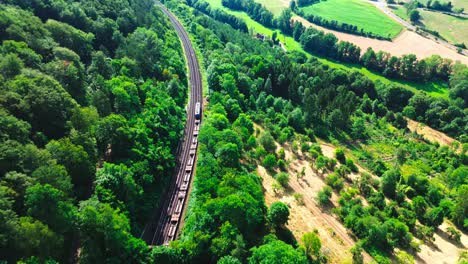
[(92, 109), (91, 112), (299, 99)]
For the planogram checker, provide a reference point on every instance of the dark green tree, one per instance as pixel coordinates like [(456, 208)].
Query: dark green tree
[(278, 214)]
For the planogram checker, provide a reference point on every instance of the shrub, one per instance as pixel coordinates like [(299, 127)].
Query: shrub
[(324, 195), (340, 155), (343, 171), (331, 163), (335, 181), (281, 164), (403, 257), (282, 178), (299, 198), (278, 213), (351, 165), (305, 147), (454, 234), (267, 141), (269, 162), (425, 233), (281, 153), (260, 152), (251, 142)]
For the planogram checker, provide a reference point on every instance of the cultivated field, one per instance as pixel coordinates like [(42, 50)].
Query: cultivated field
[(406, 43), (356, 12), (452, 28)]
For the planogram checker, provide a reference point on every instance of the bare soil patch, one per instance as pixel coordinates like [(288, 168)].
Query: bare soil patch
[(429, 133), (443, 250), (407, 42)]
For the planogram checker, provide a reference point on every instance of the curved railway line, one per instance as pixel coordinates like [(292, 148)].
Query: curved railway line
[(165, 224)]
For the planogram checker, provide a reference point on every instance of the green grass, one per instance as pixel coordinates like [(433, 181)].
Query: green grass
[(453, 29), (356, 12), (460, 4), (400, 11), (275, 6), (433, 89)]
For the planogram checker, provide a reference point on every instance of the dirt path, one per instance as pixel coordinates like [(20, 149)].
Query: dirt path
[(408, 42)]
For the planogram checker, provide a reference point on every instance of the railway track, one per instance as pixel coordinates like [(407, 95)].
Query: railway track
[(165, 223)]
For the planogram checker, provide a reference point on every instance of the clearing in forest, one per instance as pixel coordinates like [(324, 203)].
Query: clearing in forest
[(356, 12), (307, 216)]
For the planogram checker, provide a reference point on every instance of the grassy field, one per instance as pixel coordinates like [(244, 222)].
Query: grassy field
[(275, 6), (433, 89), (460, 4), (400, 11), (356, 12), (453, 29)]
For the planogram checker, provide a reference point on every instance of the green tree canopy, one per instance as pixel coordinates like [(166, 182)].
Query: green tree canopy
[(276, 252), (278, 213)]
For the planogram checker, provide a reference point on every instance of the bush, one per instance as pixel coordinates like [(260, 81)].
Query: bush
[(281, 153), (340, 155), (324, 195), (425, 233), (299, 198), (335, 181), (269, 162), (403, 257), (331, 163), (343, 171), (282, 178), (454, 234), (281, 164), (267, 141), (251, 142), (305, 147), (260, 152), (351, 165), (278, 213)]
